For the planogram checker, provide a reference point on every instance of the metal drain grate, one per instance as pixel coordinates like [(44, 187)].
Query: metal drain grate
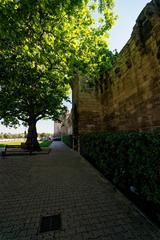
[(50, 223)]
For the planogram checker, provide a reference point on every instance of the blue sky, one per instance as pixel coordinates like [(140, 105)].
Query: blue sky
[(128, 11)]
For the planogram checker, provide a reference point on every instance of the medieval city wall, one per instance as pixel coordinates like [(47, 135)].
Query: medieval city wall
[(87, 110), (130, 96)]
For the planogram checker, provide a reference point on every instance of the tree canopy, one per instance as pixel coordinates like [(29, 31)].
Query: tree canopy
[(43, 44)]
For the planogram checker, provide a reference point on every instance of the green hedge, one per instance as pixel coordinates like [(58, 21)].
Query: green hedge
[(127, 159), (67, 139)]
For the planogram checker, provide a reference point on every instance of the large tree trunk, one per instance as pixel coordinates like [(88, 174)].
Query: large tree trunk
[(32, 142)]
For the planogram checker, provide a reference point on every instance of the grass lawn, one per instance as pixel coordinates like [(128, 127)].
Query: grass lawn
[(45, 143), (3, 144), (42, 143)]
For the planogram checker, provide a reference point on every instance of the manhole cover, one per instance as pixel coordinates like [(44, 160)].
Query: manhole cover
[(50, 223)]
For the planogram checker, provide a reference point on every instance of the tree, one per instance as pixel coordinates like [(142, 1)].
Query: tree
[(45, 44)]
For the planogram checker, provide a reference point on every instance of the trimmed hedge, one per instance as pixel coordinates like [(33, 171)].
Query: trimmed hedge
[(67, 139), (128, 159)]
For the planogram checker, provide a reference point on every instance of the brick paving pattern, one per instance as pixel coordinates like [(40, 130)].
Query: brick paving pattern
[(62, 182)]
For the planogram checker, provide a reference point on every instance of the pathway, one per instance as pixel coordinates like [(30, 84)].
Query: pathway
[(64, 183)]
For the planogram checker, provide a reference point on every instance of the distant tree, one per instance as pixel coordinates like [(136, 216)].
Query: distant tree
[(43, 45), (5, 136)]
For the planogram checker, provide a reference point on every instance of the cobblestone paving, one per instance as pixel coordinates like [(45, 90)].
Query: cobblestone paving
[(64, 183)]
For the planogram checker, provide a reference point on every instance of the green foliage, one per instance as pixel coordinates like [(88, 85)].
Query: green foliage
[(127, 158), (21, 135), (41, 135), (45, 44), (68, 140), (11, 136)]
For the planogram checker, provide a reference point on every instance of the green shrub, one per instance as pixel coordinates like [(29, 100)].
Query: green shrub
[(67, 139), (127, 158)]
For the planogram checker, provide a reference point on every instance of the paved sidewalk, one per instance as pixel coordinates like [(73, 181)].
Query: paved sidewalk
[(64, 183)]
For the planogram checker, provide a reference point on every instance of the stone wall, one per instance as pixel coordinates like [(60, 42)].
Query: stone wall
[(131, 99), (57, 129), (87, 111), (64, 127), (131, 94)]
